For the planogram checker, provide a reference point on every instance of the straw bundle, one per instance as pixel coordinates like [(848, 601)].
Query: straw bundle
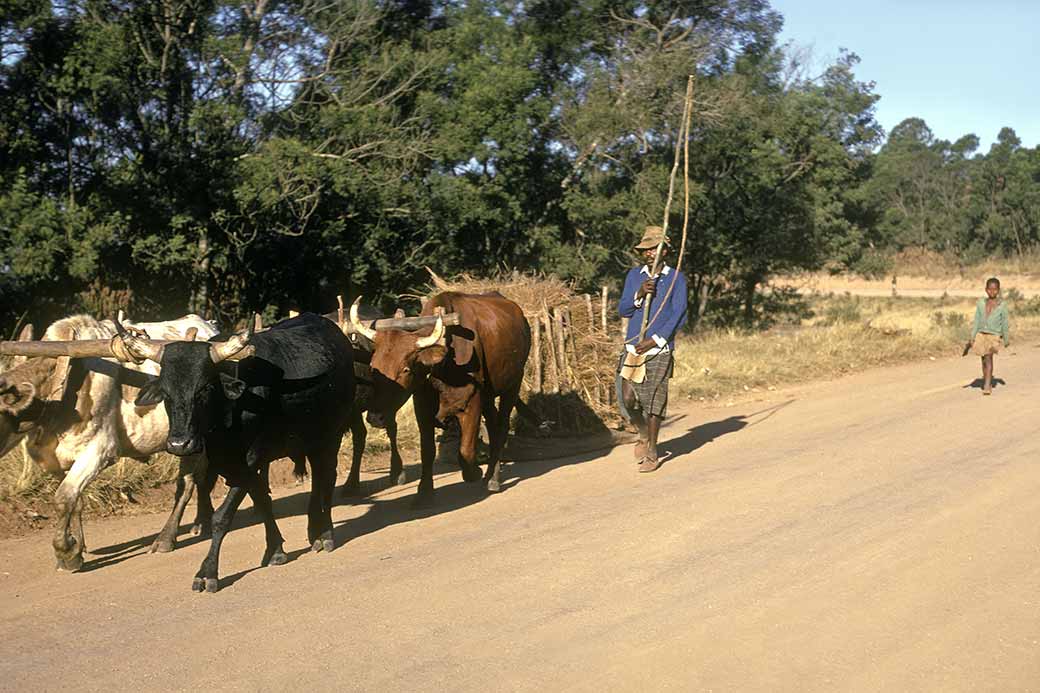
[(570, 373)]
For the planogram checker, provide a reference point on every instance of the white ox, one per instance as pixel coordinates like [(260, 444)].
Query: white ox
[(77, 416)]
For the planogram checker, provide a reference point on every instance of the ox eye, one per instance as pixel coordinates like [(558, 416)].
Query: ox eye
[(406, 369)]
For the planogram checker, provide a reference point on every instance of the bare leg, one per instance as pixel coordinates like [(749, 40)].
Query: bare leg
[(987, 374), (636, 412), (653, 431), (652, 460)]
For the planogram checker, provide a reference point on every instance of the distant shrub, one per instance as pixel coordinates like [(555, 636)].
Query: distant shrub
[(1013, 295), (1027, 307), (846, 309), (873, 265), (949, 319)]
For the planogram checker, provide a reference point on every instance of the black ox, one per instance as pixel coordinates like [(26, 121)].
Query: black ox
[(284, 392)]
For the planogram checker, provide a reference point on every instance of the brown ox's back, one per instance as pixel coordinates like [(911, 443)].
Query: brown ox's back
[(503, 336)]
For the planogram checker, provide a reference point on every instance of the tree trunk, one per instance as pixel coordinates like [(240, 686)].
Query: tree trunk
[(750, 284), (200, 291), (702, 288)]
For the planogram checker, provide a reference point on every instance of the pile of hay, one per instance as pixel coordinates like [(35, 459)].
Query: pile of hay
[(576, 391)]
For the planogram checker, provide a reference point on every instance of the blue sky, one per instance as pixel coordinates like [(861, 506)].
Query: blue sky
[(961, 66)]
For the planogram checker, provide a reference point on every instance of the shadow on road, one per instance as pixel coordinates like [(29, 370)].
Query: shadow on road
[(977, 383), (452, 494), (699, 436)]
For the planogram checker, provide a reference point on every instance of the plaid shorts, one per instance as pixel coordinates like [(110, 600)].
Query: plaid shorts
[(652, 393)]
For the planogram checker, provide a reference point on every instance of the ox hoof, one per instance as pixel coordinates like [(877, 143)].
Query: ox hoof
[(165, 546), (328, 545), (350, 489), (200, 530), (317, 546), (399, 479), (276, 558), (471, 475), (493, 486), (204, 585)]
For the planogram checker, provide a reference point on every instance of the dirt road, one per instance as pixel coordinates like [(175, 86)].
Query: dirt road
[(877, 533)]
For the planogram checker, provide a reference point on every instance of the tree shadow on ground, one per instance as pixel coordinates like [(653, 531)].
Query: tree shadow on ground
[(977, 383)]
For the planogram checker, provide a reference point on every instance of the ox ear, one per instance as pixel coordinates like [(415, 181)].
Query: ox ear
[(16, 398), (431, 356), (150, 395), (26, 334), (233, 387), (463, 344)]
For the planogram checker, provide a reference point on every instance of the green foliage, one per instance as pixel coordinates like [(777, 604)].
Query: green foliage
[(224, 158)]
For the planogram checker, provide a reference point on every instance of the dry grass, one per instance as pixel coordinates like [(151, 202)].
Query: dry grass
[(846, 334)]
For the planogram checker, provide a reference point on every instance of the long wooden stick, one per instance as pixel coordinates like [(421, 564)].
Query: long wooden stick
[(688, 116), (408, 323), (561, 346), (667, 207), (551, 362)]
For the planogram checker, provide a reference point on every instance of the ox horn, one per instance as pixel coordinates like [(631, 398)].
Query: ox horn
[(355, 321), (191, 333), (436, 337), (140, 348), (235, 346)]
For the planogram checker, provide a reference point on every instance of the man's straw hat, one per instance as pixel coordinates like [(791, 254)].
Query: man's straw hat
[(652, 236)]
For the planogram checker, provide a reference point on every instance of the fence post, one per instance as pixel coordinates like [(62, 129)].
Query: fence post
[(536, 346)]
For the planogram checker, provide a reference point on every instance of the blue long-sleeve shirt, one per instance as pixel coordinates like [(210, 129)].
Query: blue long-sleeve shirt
[(672, 317)]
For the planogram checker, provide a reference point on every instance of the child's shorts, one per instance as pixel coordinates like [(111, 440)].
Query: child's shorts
[(986, 344)]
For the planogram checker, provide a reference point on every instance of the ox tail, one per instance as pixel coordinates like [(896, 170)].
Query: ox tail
[(299, 470)]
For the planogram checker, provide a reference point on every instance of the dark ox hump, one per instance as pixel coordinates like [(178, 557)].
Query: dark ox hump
[(306, 346)]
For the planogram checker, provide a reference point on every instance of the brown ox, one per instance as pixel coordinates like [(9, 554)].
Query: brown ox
[(455, 371), (77, 415)]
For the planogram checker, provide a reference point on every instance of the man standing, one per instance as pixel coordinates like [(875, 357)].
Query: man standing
[(647, 364)]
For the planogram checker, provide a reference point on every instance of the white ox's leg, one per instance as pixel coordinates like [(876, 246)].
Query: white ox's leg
[(166, 538), (68, 550)]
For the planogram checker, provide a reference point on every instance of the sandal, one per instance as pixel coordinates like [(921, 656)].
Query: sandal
[(649, 464)]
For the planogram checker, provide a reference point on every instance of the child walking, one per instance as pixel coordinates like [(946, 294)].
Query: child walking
[(990, 330)]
